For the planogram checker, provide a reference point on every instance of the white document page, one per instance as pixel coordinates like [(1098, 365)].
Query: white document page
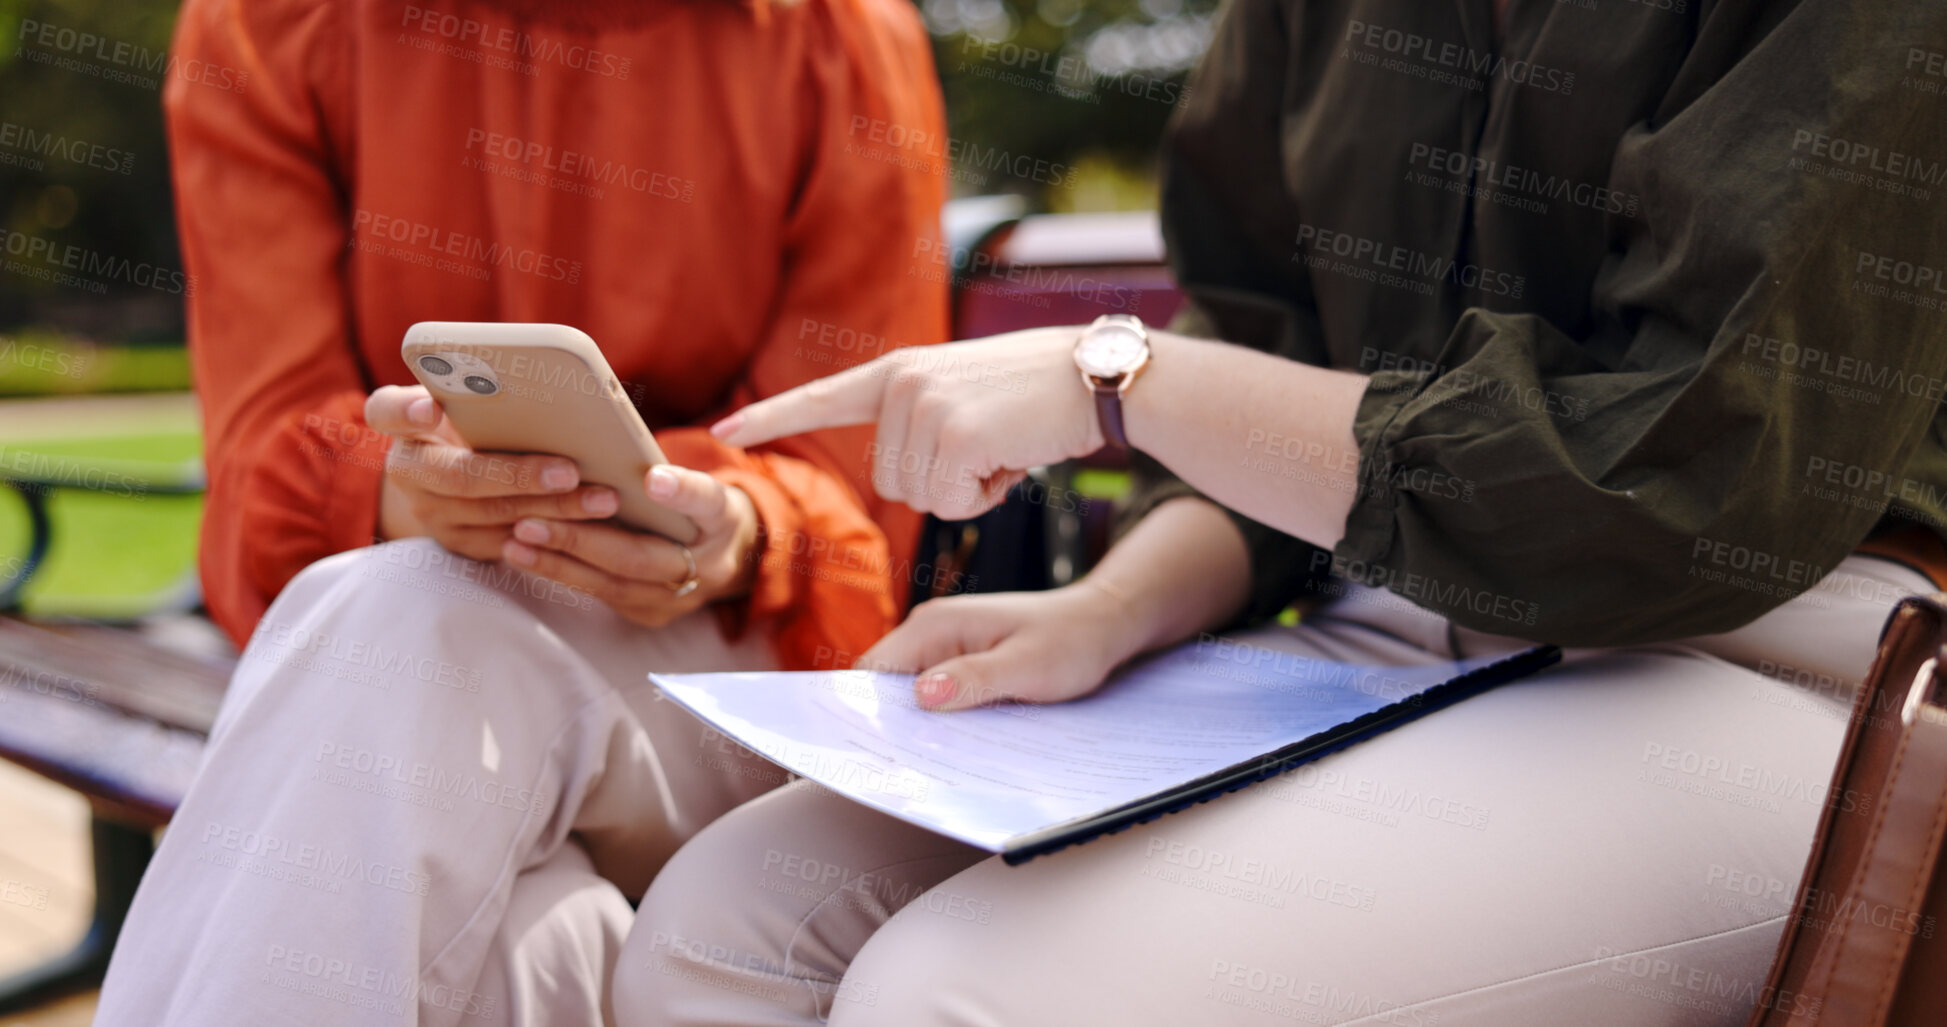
[(988, 775)]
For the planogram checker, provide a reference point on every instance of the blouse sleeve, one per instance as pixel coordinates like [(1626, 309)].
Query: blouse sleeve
[(294, 473), (1773, 356)]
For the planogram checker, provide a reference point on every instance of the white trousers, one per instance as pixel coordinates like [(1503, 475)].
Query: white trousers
[(1616, 841), (433, 784), (430, 787)]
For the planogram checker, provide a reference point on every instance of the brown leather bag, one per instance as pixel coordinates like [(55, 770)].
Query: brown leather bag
[(1868, 945)]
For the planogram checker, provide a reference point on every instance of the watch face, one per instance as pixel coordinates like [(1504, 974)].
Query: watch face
[(1110, 350)]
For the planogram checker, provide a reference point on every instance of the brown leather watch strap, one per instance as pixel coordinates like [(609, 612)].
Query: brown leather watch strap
[(1108, 412)]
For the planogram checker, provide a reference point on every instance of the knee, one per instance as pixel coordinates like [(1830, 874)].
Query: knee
[(408, 586), (399, 624), (407, 608), (674, 949), (556, 947), (425, 578), (914, 972), (719, 936), (944, 952)]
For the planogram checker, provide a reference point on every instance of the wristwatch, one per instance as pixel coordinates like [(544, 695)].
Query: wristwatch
[(1110, 354)]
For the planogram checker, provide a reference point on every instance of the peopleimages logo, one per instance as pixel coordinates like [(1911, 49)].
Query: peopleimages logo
[(553, 164), (92, 268), (1428, 590), (1066, 74), (1371, 260), (117, 60), (425, 244), (927, 147), (1886, 378), (1453, 58), (1516, 186), (1891, 163), (507, 43), (22, 139)]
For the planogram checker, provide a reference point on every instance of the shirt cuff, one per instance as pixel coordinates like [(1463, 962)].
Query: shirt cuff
[(1370, 526), (774, 588)]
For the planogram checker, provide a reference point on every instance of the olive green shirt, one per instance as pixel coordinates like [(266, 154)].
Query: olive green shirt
[(1652, 293)]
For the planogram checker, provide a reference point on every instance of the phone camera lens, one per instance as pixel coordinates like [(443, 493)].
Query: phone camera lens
[(435, 365), (483, 386)]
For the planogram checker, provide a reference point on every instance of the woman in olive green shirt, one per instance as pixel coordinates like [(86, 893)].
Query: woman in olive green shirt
[(1619, 325)]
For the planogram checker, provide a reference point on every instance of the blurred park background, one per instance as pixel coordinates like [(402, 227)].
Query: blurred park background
[(93, 377), (1085, 84)]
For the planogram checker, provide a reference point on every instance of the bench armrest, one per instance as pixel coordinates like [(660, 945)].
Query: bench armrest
[(33, 477)]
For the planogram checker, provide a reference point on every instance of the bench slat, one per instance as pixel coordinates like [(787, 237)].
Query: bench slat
[(137, 767), (114, 668)]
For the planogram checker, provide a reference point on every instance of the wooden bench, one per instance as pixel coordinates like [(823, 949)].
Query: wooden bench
[(120, 713)]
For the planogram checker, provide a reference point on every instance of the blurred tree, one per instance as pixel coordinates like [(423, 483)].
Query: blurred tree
[(83, 164), (1084, 84), (1062, 101)]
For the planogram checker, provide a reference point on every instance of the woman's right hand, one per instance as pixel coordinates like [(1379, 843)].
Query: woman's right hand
[(436, 487), (960, 423)]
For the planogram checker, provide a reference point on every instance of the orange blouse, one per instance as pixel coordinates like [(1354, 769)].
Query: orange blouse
[(688, 181)]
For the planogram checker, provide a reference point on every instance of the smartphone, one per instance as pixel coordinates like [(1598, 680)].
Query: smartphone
[(543, 388)]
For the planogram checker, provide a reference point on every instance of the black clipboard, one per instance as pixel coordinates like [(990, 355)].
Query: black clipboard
[(1271, 764)]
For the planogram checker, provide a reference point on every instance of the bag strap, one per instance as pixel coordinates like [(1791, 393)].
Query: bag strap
[(1878, 838), (1858, 970)]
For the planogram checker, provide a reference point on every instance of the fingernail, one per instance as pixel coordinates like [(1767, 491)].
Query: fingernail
[(662, 482), (728, 426), (530, 530), (559, 476), (422, 411), (601, 503), (935, 689), (517, 553)]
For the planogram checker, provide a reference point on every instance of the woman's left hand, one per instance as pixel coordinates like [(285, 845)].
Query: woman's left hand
[(641, 575), (1033, 647), (959, 423)]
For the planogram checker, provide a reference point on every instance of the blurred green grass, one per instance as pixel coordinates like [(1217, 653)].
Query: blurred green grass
[(112, 558), (114, 554), (35, 363)]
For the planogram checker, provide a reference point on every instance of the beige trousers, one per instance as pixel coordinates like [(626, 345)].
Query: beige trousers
[(430, 787), (434, 782), (1615, 841)]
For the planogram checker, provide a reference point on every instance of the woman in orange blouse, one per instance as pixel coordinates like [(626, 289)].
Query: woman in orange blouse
[(435, 778)]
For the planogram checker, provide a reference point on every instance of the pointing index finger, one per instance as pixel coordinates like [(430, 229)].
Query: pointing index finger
[(849, 397)]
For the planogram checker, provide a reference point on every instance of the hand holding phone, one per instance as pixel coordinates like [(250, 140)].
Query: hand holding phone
[(438, 487), (524, 449)]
